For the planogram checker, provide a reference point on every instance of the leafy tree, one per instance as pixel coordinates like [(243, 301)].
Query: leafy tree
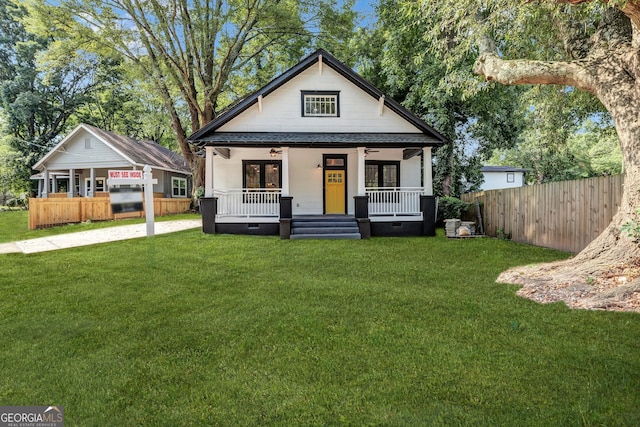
[(592, 150), (38, 93), (396, 57), (586, 46), (597, 151), (191, 51), (128, 106)]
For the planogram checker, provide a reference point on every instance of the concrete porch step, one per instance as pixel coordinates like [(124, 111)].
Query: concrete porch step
[(323, 224), (328, 236), (325, 227), (324, 230)]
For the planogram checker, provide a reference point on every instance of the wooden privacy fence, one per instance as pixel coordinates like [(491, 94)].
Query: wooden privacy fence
[(564, 215), (47, 212)]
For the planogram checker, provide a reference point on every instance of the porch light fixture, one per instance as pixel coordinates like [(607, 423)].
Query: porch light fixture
[(319, 166), (273, 152)]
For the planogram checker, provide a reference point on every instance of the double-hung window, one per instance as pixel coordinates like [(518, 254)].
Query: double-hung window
[(320, 104), (178, 187)]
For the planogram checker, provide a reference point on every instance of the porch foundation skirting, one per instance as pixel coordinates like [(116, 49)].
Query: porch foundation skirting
[(397, 229), (249, 228), (416, 225)]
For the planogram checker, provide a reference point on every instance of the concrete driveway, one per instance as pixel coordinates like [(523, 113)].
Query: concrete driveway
[(92, 237)]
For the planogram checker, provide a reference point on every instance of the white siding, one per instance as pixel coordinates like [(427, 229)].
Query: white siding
[(306, 182), (281, 110), (306, 179), (498, 180), (76, 156)]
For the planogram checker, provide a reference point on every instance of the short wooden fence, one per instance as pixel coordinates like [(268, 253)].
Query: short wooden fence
[(564, 215), (47, 212)]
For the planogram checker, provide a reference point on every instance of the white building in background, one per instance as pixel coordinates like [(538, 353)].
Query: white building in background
[(500, 177)]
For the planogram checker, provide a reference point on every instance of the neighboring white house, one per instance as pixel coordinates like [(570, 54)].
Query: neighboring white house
[(499, 177), (318, 140), (79, 164)]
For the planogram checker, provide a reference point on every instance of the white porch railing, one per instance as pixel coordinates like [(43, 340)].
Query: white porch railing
[(394, 201), (249, 202)]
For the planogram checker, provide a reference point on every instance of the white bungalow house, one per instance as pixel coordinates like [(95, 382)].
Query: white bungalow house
[(500, 177), (79, 164), (318, 143)]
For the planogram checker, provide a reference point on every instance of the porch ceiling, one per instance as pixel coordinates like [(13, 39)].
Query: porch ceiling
[(317, 140)]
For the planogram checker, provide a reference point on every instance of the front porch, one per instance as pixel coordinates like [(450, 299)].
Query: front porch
[(394, 211)]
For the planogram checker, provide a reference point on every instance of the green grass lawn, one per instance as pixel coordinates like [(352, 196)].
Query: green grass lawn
[(193, 329), (14, 225)]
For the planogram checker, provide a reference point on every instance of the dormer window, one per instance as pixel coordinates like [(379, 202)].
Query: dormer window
[(320, 104)]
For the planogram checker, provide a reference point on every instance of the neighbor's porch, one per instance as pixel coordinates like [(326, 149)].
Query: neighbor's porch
[(92, 182)]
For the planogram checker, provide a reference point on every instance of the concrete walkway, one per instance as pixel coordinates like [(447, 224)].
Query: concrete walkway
[(92, 237)]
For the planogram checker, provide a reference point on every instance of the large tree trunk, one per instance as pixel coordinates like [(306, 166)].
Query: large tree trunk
[(606, 274)]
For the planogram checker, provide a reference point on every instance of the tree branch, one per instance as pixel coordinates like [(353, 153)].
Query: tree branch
[(513, 72)]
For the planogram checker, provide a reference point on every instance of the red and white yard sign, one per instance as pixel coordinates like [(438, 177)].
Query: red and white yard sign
[(125, 174)]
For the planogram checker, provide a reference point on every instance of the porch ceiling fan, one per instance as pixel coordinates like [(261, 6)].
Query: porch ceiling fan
[(367, 151), (273, 152)]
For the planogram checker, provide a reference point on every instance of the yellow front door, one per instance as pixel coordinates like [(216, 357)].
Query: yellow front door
[(334, 191)]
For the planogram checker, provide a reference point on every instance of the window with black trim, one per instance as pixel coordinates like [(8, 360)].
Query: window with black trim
[(511, 177), (320, 103), (381, 174), (261, 174)]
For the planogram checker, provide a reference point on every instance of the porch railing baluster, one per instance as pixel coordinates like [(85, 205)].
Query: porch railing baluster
[(249, 202), (394, 201)]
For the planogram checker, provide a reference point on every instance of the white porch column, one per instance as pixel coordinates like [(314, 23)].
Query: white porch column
[(361, 183), (72, 184), (39, 188), (54, 187), (208, 173), (45, 186), (427, 174), (285, 171), (92, 183)]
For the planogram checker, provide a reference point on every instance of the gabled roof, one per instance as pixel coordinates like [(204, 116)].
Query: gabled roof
[(201, 137), (503, 169), (138, 153)]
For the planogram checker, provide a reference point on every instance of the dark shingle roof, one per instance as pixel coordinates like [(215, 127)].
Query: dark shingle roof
[(142, 152), (301, 139)]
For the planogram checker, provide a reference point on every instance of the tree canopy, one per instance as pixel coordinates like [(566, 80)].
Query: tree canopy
[(193, 52), (588, 47), (41, 86), (397, 57)]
